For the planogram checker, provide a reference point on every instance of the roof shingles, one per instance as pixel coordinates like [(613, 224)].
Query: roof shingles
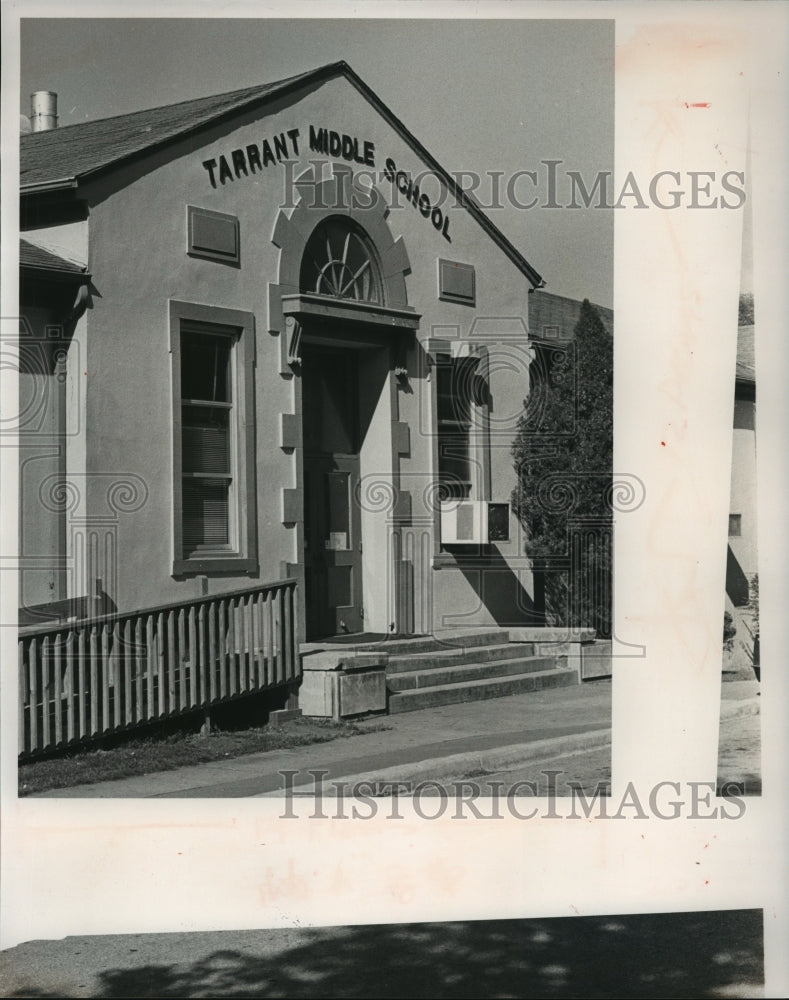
[(74, 151), (39, 259)]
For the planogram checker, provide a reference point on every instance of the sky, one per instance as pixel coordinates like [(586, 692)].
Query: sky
[(481, 95)]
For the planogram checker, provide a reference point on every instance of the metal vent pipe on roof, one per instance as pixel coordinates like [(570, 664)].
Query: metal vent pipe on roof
[(43, 110)]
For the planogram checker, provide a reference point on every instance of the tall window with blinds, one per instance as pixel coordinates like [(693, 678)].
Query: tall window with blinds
[(207, 417), (213, 439)]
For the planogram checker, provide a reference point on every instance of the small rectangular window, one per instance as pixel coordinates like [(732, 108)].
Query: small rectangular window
[(735, 525)]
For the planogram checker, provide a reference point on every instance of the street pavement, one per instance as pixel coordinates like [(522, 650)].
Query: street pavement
[(650, 956)]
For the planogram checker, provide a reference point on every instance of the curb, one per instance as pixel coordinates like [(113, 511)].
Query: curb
[(460, 765)]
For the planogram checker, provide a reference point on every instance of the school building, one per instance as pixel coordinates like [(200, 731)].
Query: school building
[(271, 365)]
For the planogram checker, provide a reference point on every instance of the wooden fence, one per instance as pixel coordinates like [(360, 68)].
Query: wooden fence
[(110, 673)]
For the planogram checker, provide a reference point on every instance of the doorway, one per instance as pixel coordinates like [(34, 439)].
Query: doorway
[(332, 516)]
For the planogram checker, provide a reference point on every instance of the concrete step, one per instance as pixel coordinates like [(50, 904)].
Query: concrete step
[(444, 642), (462, 673), (402, 662), (479, 690), (457, 639)]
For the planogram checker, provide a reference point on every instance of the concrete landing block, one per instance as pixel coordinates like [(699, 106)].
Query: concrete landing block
[(353, 662), (596, 660), (318, 694), (362, 692), (343, 659), (338, 684)]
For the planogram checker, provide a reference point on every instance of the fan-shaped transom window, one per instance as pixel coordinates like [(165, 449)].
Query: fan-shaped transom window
[(339, 261)]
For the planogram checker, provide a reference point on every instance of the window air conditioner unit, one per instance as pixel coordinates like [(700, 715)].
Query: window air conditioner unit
[(474, 522)]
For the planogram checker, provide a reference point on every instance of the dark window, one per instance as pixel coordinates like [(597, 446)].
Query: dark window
[(454, 379), (735, 525)]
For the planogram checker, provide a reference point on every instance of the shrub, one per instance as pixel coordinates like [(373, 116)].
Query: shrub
[(729, 630)]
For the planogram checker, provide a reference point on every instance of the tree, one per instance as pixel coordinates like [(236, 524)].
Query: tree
[(563, 454)]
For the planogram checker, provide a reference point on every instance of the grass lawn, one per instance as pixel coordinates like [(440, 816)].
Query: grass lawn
[(146, 756)]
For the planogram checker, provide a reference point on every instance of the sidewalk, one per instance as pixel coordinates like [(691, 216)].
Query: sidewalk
[(439, 743), (740, 737)]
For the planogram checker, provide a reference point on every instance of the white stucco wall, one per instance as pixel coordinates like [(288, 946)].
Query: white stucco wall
[(137, 256)]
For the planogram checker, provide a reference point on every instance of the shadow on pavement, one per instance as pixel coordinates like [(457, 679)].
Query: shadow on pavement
[(703, 954)]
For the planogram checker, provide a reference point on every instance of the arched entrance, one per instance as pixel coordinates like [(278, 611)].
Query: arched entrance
[(339, 261), (333, 547), (341, 305)]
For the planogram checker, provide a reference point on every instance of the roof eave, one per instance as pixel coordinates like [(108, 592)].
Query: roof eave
[(53, 273), (42, 187)]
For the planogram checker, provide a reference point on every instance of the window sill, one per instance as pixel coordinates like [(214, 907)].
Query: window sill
[(455, 556), (214, 564)]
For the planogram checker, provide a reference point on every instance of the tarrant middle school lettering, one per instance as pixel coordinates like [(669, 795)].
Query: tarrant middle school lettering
[(247, 160), (338, 145)]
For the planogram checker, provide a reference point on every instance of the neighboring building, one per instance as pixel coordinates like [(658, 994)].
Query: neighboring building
[(552, 318), (272, 348), (742, 564), (53, 294)]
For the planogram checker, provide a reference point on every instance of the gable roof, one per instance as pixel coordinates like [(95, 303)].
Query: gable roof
[(36, 258), (59, 159)]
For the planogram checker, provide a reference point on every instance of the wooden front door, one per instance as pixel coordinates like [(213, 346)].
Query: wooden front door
[(332, 519)]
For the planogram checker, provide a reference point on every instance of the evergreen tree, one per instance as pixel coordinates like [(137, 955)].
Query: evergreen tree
[(563, 454)]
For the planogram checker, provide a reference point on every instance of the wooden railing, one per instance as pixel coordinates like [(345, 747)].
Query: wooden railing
[(83, 679)]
